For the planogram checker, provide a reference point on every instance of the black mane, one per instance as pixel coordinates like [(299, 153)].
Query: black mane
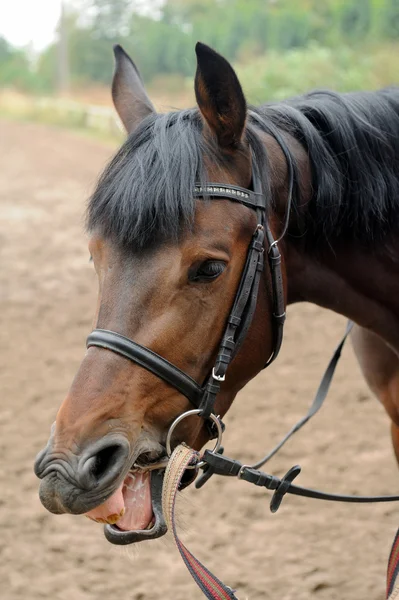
[(144, 196), (353, 144)]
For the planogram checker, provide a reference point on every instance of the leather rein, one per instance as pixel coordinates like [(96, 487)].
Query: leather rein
[(203, 397)]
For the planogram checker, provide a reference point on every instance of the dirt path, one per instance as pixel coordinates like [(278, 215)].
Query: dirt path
[(47, 290)]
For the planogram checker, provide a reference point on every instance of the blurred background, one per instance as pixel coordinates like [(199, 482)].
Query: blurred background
[(50, 48), (57, 131)]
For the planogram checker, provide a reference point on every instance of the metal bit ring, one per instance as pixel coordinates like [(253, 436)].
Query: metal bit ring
[(180, 418)]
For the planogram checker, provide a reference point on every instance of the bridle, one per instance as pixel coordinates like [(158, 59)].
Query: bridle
[(239, 320), (203, 397)]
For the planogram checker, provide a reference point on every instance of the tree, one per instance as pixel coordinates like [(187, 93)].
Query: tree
[(15, 68)]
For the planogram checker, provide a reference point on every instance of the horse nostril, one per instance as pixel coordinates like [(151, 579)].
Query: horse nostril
[(104, 460), (103, 466)]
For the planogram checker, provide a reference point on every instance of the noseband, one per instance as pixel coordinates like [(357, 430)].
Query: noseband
[(241, 315)]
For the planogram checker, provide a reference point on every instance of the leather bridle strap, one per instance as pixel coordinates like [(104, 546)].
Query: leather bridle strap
[(241, 315), (222, 465), (252, 199), (149, 360), (244, 306), (318, 401), (248, 287)]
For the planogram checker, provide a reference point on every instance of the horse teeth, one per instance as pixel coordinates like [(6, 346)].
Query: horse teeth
[(112, 519)]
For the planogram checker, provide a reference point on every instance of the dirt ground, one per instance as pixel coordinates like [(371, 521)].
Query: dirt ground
[(307, 550)]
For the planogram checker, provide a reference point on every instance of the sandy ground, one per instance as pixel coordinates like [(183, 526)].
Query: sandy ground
[(307, 550)]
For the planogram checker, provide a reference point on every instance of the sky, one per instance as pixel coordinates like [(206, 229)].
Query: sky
[(32, 22)]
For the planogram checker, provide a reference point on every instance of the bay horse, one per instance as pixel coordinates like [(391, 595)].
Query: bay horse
[(169, 266)]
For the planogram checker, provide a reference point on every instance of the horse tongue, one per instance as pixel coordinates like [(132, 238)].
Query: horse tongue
[(129, 506), (111, 510), (138, 506)]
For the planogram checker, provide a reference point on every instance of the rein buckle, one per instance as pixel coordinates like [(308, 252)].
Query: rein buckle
[(218, 377)]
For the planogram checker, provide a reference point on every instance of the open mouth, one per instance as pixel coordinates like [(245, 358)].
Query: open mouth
[(134, 511)]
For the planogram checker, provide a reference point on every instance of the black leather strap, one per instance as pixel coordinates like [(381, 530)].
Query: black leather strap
[(252, 199), (320, 396), (149, 360), (222, 465), (317, 403), (238, 321), (251, 306), (244, 305), (247, 290), (278, 317)]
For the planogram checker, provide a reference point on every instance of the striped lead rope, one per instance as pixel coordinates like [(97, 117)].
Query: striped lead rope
[(211, 586), (393, 571)]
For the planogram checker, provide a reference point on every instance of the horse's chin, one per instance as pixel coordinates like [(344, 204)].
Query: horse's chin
[(134, 511)]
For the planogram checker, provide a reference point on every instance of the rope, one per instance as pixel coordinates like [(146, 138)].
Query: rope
[(395, 593), (209, 584), (393, 570), (213, 589)]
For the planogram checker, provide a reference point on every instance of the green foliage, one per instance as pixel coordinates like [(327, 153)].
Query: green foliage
[(283, 45), (162, 41), (277, 76), (390, 24), (109, 17), (14, 67), (46, 69)]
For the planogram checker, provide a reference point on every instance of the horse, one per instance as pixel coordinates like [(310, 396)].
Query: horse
[(311, 182)]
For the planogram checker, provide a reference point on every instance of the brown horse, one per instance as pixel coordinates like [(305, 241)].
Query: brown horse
[(169, 266)]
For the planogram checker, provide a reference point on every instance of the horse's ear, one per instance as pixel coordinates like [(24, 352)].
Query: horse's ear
[(130, 98), (219, 96)]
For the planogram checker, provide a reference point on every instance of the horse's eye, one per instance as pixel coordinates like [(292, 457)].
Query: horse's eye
[(206, 271)]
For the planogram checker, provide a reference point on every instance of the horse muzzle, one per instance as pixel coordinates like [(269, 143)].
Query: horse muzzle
[(76, 484), (99, 483)]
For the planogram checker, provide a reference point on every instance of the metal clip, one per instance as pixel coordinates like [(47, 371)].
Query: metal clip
[(242, 469)]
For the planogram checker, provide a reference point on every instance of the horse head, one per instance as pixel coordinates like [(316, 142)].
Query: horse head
[(169, 266)]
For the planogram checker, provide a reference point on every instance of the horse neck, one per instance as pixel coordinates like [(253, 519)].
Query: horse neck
[(354, 279), (357, 281), (350, 194)]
